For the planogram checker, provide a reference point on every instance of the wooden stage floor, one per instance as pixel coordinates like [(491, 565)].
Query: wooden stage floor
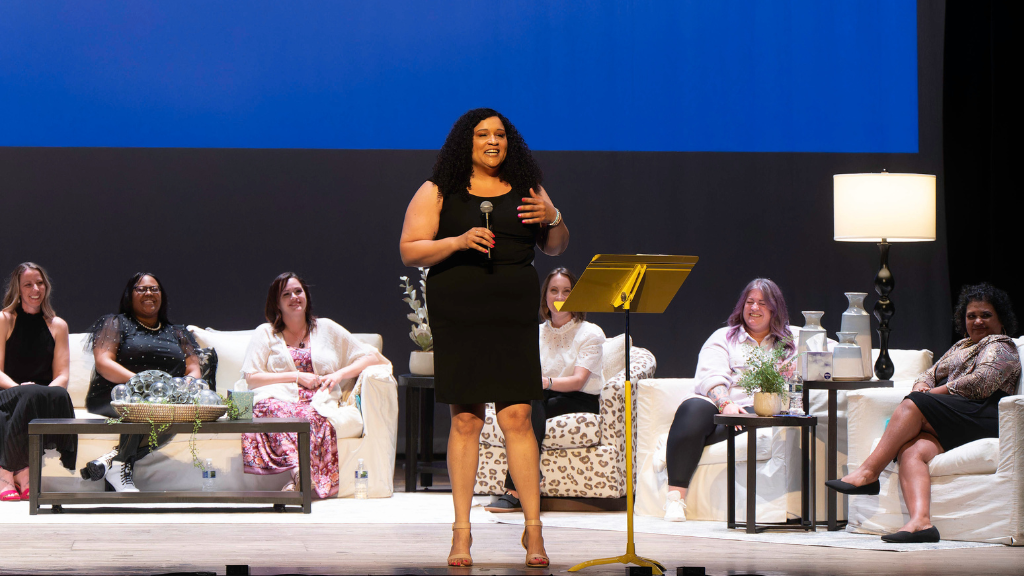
[(422, 548)]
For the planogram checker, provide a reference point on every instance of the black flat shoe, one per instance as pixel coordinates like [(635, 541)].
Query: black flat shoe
[(847, 488), (505, 503), (920, 537)]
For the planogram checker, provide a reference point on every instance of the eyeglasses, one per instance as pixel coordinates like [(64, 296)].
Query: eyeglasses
[(141, 290)]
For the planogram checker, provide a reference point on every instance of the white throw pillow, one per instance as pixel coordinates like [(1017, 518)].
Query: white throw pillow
[(909, 364), (613, 356)]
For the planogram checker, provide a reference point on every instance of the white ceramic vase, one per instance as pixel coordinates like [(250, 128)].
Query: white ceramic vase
[(856, 319), (847, 362), (812, 338), (421, 363), (767, 404)]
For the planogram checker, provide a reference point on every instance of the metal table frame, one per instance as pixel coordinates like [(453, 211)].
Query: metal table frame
[(55, 500), (419, 431), (832, 466), (752, 422)]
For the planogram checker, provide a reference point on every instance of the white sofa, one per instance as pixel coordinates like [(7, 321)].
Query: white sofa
[(778, 453), (584, 455), (171, 467), (977, 489)]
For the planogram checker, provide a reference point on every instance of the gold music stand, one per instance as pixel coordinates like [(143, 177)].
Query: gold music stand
[(644, 283)]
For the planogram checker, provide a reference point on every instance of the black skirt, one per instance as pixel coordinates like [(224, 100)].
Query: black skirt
[(958, 420)]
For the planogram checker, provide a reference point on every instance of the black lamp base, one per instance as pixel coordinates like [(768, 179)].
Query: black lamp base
[(884, 311)]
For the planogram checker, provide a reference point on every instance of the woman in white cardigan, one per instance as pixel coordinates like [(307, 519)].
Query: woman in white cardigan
[(300, 366), (570, 363)]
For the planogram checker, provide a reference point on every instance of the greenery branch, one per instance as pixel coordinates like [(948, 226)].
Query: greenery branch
[(420, 333), (767, 370)]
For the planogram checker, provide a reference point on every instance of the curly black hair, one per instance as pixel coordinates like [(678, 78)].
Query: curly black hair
[(985, 292), (454, 163)]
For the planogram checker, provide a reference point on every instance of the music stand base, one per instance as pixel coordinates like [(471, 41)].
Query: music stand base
[(627, 558)]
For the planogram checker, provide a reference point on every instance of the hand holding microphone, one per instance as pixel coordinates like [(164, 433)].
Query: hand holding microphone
[(486, 208)]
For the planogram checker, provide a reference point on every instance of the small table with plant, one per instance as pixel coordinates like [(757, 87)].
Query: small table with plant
[(40, 427)]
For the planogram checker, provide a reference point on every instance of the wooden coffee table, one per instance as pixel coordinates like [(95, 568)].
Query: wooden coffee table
[(37, 428)]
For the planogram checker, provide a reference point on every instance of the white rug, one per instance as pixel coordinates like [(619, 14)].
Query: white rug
[(616, 521), (436, 508)]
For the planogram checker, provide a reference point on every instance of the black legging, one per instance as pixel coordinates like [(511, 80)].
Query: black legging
[(556, 404), (692, 429)]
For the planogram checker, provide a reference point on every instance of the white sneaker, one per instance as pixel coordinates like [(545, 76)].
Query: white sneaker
[(675, 508), (119, 477)]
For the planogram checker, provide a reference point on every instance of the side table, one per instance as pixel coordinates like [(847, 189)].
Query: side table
[(419, 431), (831, 468), (752, 422)]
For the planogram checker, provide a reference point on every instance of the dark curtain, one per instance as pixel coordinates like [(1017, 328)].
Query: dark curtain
[(981, 133)]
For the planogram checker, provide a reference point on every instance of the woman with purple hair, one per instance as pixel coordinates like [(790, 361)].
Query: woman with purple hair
[(759, 319)]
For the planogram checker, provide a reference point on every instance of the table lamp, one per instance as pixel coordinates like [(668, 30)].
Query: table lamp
[(884, 208)]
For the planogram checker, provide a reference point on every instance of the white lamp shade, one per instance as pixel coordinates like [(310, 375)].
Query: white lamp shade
[(894, 207)]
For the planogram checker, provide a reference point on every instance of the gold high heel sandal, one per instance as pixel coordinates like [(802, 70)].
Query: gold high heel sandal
[(533, 560), (460, 560)]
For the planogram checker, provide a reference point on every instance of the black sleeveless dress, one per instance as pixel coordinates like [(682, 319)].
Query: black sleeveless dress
[(483, 312), (28, 357)]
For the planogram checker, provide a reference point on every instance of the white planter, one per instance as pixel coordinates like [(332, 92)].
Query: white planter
[(767, 404), (421, 363)]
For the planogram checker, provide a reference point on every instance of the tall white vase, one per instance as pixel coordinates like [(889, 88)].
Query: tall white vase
[(856, 319), (812, 338)]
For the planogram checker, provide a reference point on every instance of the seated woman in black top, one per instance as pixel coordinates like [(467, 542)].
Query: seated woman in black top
[(139, 338), (33, 376)]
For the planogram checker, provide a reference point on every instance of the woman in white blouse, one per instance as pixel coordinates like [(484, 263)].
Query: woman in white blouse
[(760, 319), (301, 366), (570, 364)]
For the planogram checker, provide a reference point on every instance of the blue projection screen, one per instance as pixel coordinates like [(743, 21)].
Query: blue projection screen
[(737, 76)]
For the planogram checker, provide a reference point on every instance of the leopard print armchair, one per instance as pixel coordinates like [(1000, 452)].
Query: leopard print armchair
[(583, 455)]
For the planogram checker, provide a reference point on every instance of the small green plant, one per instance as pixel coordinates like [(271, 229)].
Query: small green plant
[(155, 431), (421, 320), (767, 370)]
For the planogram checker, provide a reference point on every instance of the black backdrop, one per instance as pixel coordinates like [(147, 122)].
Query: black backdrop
[(216, 225)]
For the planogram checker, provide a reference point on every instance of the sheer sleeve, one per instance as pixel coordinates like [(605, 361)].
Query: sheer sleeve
[(186, 340), (591, 348), (997, 367), (105, 334)]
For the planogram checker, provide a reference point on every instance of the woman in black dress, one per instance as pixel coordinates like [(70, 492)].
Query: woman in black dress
[(138, 338), (954, 402), (33, 376), (483, 302)]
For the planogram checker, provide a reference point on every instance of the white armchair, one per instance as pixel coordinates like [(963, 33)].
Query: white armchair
[(977, 489), (171, 468), (583, 455), (778, 453)]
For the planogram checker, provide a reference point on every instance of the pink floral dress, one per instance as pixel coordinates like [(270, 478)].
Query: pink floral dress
[(279, 452)]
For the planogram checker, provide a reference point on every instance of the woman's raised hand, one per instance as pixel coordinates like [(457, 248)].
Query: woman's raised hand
[(477, 238), (537, 209)]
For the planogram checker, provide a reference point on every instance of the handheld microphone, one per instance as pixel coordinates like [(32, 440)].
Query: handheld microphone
[(485, 208)]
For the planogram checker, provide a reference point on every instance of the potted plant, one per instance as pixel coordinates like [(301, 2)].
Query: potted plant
[(421, 362), (765, 377)]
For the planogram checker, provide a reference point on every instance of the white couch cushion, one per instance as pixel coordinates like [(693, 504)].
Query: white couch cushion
[(613, 356), (230, 346), (80, 369), (978, 457), (909, 364)]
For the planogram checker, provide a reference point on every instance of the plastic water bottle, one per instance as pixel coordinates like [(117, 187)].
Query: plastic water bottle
[(362, 481), (209, 477), (796, 396)]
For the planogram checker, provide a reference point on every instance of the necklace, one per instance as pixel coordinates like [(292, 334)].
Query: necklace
[(159, 325)]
